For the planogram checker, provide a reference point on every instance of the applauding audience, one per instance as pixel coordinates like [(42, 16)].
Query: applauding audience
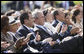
[(49, 30)]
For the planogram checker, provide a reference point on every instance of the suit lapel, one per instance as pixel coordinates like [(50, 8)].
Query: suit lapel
[(44, 29)]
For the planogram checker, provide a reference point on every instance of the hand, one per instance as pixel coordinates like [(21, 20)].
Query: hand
[(47, 40), (64, 28), (19, 42), (81, 33), (74, 30), (5, 44), (26, 39), (52, 43), (38, 37), (57, 28)]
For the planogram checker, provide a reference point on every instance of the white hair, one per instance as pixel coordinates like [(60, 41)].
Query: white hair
[(35, 13)]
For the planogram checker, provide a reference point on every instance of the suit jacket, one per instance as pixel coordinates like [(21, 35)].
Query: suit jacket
[(51, 49), (72, 44), (23, 31), (67, 45), (42, 33)]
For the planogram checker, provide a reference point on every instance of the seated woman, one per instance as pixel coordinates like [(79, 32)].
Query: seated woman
[(7, 41), (76, 18), (5, 37)]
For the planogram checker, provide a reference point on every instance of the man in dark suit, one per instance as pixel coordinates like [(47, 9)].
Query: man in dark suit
[(25, 28), (55, 22), (59, 18), (27, 23), (38, 26)]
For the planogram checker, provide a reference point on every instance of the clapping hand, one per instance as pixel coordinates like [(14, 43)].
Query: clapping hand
[(22, 41), (26, 39), (57, 28), (18, 43), (74, 30), (52, 43), (64, 28), (38, 37), (47, 40)]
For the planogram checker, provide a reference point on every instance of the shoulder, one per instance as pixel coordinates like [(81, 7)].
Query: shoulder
[(36, 28), (21, 28)]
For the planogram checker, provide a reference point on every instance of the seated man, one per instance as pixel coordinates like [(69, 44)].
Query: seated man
[(26, 25), (39, 22)]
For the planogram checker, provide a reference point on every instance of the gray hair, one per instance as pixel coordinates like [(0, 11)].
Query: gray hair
[(35, 13)]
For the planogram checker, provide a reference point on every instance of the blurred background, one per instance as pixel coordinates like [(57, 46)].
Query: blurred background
[(31, 5)]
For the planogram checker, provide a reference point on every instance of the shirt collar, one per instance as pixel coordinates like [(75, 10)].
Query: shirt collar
[(26, 26)]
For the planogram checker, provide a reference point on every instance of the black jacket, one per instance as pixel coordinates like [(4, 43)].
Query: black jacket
[(73, 45), (23, 31)]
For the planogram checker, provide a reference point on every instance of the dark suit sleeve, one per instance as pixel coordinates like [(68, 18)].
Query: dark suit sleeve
[(36, 45), (57, 36), (72, 45)]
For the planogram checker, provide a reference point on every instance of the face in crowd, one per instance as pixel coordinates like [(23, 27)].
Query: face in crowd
[(40, 20)]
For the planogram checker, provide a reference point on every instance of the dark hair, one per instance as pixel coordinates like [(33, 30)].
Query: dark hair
[(4, 21), (55, 13), (66, 14), (24, 16), (45, 12), (76, 12), (9, 13)]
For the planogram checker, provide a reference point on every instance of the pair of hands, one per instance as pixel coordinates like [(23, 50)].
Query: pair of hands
[(64, 28), (77, 30), (22, 41)]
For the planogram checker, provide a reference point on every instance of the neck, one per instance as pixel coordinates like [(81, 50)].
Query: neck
[(29, 26)]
